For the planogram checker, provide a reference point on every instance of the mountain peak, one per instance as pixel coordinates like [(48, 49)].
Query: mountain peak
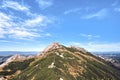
[(66, 63), (54, 45)]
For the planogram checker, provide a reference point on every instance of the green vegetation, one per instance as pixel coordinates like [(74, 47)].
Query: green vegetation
[(75, 65), (12, 67), (61, 63)]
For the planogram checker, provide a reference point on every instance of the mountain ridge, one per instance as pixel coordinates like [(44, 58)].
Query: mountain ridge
[(58, 62)]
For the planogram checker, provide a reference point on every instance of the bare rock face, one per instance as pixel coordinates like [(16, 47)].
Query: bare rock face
[(2, 78), (53, 46)]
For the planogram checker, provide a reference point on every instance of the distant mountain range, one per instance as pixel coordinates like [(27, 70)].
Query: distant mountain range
[(58, 62), (4, 55)]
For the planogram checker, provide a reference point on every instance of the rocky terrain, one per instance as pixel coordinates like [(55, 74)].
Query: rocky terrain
[(113, 58)]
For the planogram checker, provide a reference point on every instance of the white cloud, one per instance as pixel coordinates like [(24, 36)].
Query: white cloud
[(22, 34), (34, 22), (44, 3), (5, 23), (28, 29), (89, 36), (5, 20), (48, 35), (72, 11), (10, 28), (14, 5), (2, 32), (15, 26), (38, 20), (4, 17), (100, 14), (92, 46)]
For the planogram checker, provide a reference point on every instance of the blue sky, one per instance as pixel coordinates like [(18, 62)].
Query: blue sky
[(30, 25)]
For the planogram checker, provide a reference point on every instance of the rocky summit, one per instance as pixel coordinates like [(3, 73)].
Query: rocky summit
[(58, 62)]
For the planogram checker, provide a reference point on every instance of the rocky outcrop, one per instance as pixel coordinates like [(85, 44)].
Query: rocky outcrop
[(53, 46)]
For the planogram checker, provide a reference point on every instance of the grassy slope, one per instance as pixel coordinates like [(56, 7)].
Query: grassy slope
[(12, 67), (74, 66)]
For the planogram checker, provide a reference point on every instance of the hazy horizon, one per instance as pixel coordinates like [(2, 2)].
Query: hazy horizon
[(8, 53)]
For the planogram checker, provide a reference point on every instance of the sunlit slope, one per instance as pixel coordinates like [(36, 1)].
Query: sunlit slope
[(68, 64)]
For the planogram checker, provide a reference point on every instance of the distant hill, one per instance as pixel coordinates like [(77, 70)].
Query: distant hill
[(58, 62)]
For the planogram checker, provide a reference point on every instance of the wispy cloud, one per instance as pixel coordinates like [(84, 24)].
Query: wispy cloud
[(8, 27), (100, 14), (2, 32), (5, 23), (89, 36), (5, 20), (43, 4), (76, 10), (48, 35), (22, 34), (92, 46), (38, 20), (14, 26), (15, 5), (22, 30)]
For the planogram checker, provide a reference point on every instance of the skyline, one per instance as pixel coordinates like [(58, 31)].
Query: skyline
[(32, 25)]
